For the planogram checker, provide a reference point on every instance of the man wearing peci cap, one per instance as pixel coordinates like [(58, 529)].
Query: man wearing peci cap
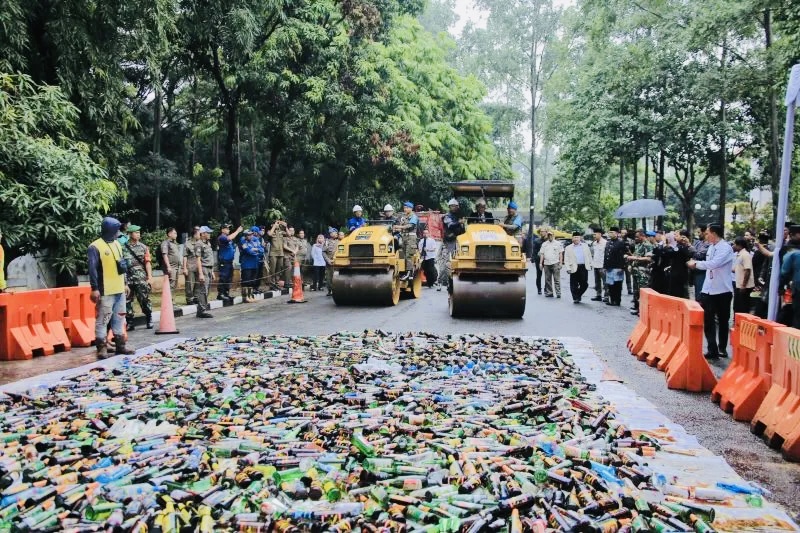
[(226, 252), (407, 226), (357, 220), (205, 271), (107, 269), (578, 262), (513, 222), (140, 275)]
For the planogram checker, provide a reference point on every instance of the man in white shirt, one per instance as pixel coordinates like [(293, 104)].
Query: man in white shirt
[(743, 272), (717, 291), (578, 262), (551, 257), (429, 251), (598, 256)]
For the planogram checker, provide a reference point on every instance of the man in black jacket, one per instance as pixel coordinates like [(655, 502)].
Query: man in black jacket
[(534, 246), (614, 265)]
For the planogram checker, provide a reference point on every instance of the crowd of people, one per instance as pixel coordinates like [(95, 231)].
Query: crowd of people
[(725, 276)]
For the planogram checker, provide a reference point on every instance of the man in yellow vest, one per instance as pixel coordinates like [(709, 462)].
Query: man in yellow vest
[(107, 268)]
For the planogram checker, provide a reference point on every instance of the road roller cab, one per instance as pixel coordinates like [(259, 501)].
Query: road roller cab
[(488, 267), (367, 268)]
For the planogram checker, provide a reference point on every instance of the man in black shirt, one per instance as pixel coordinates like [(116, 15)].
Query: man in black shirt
[(614, 265)]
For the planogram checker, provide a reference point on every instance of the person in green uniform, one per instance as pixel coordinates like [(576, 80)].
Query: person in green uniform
[(407, 226), (278, 235), (190, 265), (640, 266), (205, 271), (140, 275)]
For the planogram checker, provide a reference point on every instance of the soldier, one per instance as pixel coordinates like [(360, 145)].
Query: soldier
[(513, 222), (204, 259), (278, 234), (329, 250), (140, 275), (407, 226), (225, 256), (453, 227), (190, 265), (640, 266), (171, 258)]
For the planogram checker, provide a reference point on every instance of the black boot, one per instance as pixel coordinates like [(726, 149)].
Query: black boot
[(100, 346), (149, 321), (129, 322), (120, 348)]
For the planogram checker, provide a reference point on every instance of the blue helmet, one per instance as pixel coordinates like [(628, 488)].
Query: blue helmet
[(408, 204), (109, 229), (512, 204)]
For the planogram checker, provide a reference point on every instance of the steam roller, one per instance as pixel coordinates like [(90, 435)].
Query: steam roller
[(367, 268), (488, 267)]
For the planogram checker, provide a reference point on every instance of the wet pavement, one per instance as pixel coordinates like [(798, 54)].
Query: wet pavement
[(607, 328)]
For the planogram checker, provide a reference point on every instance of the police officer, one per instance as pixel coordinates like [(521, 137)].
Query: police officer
[(190, 265), (205, 271), (640, 266), (140, 275), (357, 220), (329, 250), (250, 257), (171, 258), (225, 254), (407, 226), (513, 222)]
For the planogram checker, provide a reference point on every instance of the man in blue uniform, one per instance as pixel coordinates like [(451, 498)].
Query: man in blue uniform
[(225, 254), (357, 220), (513, 222)]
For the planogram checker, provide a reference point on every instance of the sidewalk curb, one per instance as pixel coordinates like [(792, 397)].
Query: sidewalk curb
[(140, 321)]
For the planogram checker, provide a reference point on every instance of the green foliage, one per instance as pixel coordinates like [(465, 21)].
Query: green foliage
[(52, 194), (153, 240)]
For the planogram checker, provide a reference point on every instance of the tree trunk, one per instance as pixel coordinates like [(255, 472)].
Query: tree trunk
[(662, 168), (533, 86), (272, 172), (231, 161), (723, 141), (774, 135), (621, 180), (157, 149)]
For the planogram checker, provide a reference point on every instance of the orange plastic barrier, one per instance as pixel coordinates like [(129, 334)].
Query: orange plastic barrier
[(79, 315), (747, 380), (642, 329), (670, 336), (778, 418), (31, 323)]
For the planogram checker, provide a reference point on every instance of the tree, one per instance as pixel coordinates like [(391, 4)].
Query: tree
[(52, 194)]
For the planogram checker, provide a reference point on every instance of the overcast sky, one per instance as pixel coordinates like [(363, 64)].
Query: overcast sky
[(467, 12)]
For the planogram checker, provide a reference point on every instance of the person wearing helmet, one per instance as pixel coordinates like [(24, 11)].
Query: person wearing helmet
[(107, 277), (407, 226), (513, 222), (357, 220), (388, 214), (480, 215)]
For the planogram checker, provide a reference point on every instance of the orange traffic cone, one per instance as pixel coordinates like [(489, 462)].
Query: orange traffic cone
[(297, 286), (166, 323)]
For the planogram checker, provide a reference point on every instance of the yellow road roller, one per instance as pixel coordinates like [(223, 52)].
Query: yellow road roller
[(487, 270), (367, 268)]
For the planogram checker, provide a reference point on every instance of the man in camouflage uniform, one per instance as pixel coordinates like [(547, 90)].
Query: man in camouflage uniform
[(640, 266), (140, 275), (329, 250), (407, 226)]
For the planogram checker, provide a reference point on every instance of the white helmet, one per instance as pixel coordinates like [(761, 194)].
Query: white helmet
[(452, 201), (388, 207), (357, 208)]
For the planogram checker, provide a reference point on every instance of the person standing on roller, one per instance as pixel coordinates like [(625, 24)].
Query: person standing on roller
[(407, 226), (513, 222)]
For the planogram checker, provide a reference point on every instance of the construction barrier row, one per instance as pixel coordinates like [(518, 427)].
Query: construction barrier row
[(42, 322), (669, 336)]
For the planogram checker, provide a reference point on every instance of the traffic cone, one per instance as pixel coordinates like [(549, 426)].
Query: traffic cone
[(297, 286), (166, 322)]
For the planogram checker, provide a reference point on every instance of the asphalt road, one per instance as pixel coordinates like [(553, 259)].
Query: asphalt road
[(607, 328)]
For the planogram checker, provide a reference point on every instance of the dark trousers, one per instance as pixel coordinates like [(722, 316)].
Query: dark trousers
[(429, 267), (579, 282), (538, 276), (225, 278), (249, 278), (717, 319), (741, 300), (615, 293), (699, 279), (628, 280), (319, 277)]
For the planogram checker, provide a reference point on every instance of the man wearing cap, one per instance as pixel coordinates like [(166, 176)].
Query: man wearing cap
[(328, 251), (140, 275), (107, 268), (190, 264), (480, 215), (578, 262), (276, 251), (513, 222), (790, 271), (407, 226), (357, 220), (225, 255), (551, 257), (171, 258), (639, 261), (598, 256), (205, 271), (453, 227), (614, 265), (717, 291), (250, 258)]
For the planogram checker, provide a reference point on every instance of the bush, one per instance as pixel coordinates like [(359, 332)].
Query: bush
[(153, 240)]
